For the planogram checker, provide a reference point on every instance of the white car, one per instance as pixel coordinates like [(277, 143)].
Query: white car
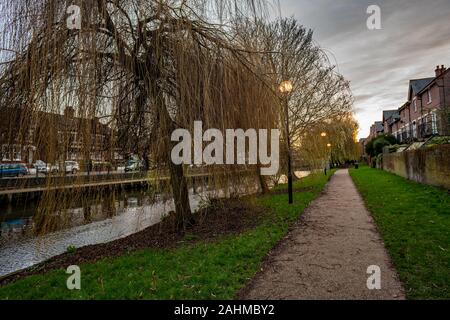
[(70, 167), (41, 167)]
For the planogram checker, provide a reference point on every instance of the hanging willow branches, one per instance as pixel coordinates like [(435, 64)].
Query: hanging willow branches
[(145, 68), (138, 70)]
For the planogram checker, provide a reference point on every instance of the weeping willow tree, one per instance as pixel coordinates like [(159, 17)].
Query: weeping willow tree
[(135, 69), (333, 140)]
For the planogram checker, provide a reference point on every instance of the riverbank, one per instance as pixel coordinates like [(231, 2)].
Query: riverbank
[(414, 222), (209, 262)]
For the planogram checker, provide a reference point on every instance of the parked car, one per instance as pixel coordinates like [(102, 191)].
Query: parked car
[(69, 167), (133, 166), (13, 170), (72, 167), (54, 168), (41, 167)]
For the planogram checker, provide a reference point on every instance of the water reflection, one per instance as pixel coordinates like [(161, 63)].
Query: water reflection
[(20, 248), (91, 221), (20, 221), (88, 221)]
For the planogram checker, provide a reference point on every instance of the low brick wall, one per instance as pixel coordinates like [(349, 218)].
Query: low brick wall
[(429, 166), (56, 180)]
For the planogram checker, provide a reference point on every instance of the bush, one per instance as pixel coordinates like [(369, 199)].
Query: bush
[(71, 249), (376, 145), (438, 141)]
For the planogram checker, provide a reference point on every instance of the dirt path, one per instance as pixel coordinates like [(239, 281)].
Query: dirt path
[(327, 254)]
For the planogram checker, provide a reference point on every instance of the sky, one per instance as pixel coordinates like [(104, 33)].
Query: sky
[(414, 39)]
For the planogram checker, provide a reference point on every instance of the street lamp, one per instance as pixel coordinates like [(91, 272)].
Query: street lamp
[(285, 89), (323, 134), (331, 155)]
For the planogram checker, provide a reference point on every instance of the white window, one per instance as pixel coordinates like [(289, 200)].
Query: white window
[(434, 123), (17, 153), (415, 105), (11, 153), (60, 137), (73, 137), (429, 96), (6, 155), (414, 130)]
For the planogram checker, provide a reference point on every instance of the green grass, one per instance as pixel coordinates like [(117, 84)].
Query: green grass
[(205, 270), (414, 221)]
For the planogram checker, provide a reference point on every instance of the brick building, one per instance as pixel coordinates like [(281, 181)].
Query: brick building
[(29, 136), (423, 115), (375, 130)]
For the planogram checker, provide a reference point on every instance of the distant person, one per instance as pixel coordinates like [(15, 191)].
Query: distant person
[(327, 167)]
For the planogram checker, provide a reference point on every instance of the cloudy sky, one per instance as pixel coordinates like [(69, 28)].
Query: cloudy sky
[(415, 37)]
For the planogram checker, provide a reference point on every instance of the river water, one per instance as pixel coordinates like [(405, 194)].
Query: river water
[(132, 212), (102, 220)]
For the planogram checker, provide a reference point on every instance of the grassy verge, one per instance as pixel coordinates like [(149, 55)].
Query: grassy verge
[(205, 270), (414, 221)]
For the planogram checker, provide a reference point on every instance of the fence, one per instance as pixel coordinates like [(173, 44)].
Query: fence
[(429, 165)]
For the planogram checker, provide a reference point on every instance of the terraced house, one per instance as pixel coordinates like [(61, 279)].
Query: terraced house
[(425, 113), (375, 130), (29, 136)]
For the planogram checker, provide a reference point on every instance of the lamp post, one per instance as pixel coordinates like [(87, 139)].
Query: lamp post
[(285, 89), (331, 154), (324, 135)]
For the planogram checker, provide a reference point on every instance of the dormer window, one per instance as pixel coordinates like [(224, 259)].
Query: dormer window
[(429, 96)]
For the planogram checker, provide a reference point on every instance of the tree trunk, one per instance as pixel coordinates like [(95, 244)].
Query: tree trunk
[(180, 193), (178, 181), (262, 181), (146, 158)]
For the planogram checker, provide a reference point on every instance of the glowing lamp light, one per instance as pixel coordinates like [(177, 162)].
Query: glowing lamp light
[(286, 87), (323, 134)]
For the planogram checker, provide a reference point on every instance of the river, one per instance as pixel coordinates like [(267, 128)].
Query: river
[(20, 248), (103, 220)]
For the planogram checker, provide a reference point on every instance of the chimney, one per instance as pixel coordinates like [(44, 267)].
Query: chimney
[(440, 70)]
